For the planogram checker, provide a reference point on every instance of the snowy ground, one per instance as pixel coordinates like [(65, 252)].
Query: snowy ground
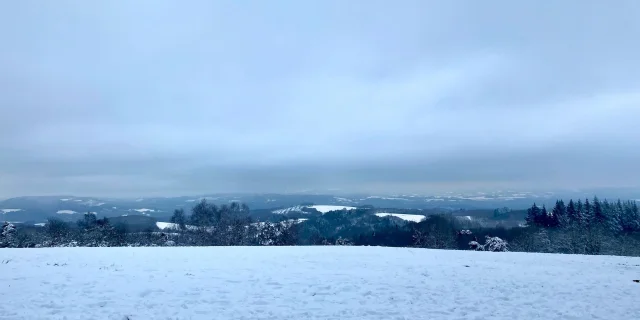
[(328, 208), (312, 283), (407, 217)]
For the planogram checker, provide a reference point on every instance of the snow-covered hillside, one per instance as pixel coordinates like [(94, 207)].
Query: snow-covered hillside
[(3, 211), (294, 209), (407, 217), (329, 208), (313, 283), (320, 208)]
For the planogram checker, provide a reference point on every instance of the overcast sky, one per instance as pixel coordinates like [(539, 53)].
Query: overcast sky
[(141, 98)]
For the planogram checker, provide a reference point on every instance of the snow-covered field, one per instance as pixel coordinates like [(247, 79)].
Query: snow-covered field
[(313, 283), (9, 210), (403, 216), (320, 208), (169, 226), (329, 208), (65, 212)]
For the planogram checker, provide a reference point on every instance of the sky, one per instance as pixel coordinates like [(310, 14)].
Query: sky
[(162, 98)]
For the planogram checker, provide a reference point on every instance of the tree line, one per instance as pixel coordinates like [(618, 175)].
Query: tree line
[(585, 227), (578, 227)]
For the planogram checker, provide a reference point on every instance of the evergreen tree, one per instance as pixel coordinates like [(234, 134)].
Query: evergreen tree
[(572, 212), (543, 219), (597, 215), (587, 211), (7, 235), (629, 219), (635, 216), (558, 215), (615, 217), (533, 215), (579, 211)]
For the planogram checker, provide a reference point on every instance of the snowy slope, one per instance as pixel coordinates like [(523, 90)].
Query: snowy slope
[(294, 209), (313, 283), (329, 208), (3, 211), (406, 217), (320, 208), (170, 226)]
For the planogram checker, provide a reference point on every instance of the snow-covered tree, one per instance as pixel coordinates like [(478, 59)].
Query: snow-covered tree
[(559, 215), (7, 237), (179, 218), (598, 215), (493, 244), (629, 217), (572, 213), (343, 242)]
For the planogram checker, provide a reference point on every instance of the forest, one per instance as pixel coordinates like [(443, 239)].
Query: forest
[(574, 227)]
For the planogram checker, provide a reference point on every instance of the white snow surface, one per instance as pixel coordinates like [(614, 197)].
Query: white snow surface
[(170, 225), (403, 216), (143, 210), (66, 212), (387, 198), (294, 209), (165, 225), (329, 208), (10, 210), (332, 282)]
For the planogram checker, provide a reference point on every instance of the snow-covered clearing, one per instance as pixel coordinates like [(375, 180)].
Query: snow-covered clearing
[(10, 210), (329, 208), (65, 212), (313, 283), (407, 217), (173, 226), (294, 209), (320, 208), (167, 225), (144, 210)]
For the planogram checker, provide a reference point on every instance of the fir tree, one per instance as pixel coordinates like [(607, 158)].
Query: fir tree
[(615, 215), (579, 211), (630, 220), (558, 215), (533, 215), (572, 212), (635, 216), (597, 215), (543, 219), (587, 211), (7, 235)]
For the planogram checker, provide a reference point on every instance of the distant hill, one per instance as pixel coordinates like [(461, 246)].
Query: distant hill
[(39, 208)]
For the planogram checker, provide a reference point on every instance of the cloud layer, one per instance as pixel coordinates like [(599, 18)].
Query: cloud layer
[(167, 97)]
